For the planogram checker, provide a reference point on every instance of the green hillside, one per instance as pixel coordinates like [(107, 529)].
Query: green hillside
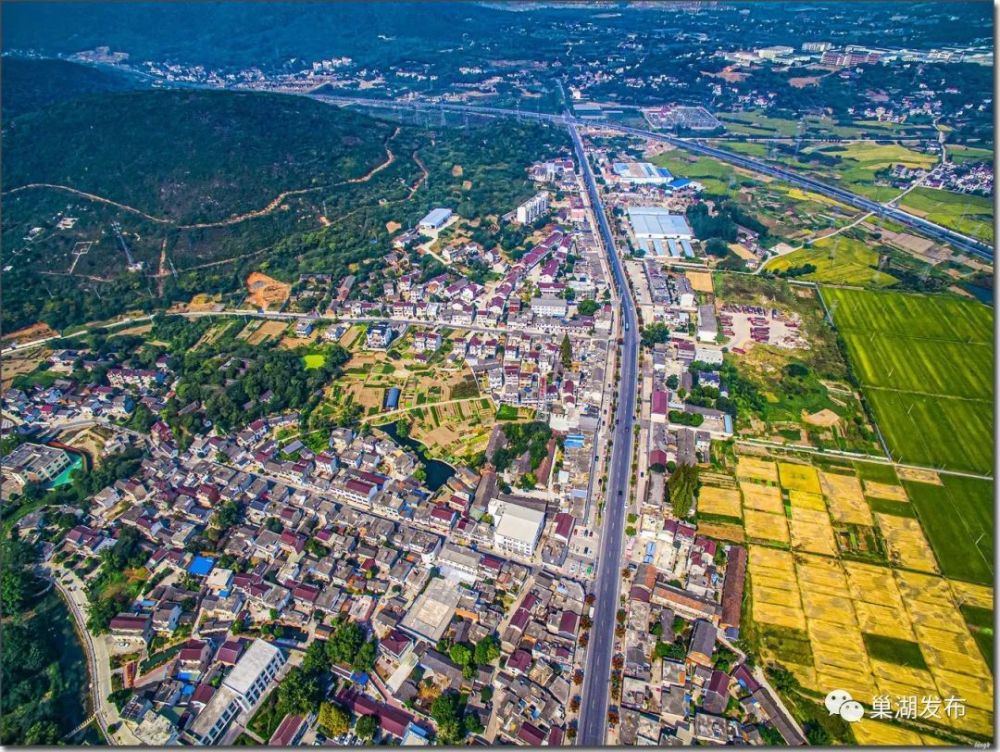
[(29, 85), (191, 156)]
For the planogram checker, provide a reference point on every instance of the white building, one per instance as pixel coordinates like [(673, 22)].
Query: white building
[(459, 563), (549, 307), (708, 325), (242, 690), (641, 173), (533, 208), (35, 463), (518, 528), (660, 233), (435, 219)]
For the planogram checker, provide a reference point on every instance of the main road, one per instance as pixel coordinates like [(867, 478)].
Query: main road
[(594, 706), (932, 230)]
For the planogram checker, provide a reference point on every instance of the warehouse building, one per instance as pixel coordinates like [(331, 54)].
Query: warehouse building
[(435, 219), (660, 233), (641, 173)]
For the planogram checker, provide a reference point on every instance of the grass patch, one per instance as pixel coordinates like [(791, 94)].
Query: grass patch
[(894, 650), (963, 212), (506, 412), (877, 472), (896, 508), (838, 260), (266, 720), (957, 518), (314, 360)]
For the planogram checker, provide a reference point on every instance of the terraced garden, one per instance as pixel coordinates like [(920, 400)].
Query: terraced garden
[(925, 364)]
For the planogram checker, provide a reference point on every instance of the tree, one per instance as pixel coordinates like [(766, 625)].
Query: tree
[(461, 654), (587, 307), (817, 735), (717, 247), (345, 642), (447, 711), (365, 658), (334, 719), (366, 727), (566, 352), (487, 650), (681, 488)]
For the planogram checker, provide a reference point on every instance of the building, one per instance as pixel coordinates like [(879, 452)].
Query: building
[(379, 336), (35, 463), (548, 306), (732, 591), (641, 173), (533, 208), (660, 233), (708, 325), (429, 616), (254, 672), (435, 219), (241, 690), (518, 528), (774, 52)]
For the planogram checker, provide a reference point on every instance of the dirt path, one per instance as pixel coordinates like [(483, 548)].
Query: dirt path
[(91, 197), (423, 177), (161, 273), (276, 202)]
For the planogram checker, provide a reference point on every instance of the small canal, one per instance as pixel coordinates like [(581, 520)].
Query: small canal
[(438, 472)]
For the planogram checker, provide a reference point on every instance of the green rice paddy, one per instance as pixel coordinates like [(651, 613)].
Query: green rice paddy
[(926, 366)]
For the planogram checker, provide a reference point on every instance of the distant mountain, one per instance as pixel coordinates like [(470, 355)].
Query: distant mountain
[(29, 84), (191, 156)]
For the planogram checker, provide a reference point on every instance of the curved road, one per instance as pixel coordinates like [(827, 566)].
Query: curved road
[(594, 706)]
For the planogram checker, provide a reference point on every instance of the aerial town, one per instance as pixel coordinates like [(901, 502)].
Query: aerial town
[(511, 415)]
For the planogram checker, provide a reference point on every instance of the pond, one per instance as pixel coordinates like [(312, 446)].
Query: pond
[(65, 475), (438, 472)]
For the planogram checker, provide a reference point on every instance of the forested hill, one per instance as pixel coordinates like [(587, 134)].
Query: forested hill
[(191, 156), (29, 85)]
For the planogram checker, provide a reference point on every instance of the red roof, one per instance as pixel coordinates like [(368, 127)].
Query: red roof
[(287, 730), (659, 402), (567, 623), (230, 651), (564, 525), (531, 734)]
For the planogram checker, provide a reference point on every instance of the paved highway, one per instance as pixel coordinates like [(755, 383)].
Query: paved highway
[(937, 232), (594, 706)]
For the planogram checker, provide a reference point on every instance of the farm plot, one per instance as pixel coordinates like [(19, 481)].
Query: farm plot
[(946, 432), (870, 630), (724, 502), (839, 260), (799, 477), (454, 430), (756, 469), (965, 213), (958, 519), (926, 365)]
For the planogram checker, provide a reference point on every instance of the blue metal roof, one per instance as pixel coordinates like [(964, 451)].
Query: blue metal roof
[(201, 566)]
